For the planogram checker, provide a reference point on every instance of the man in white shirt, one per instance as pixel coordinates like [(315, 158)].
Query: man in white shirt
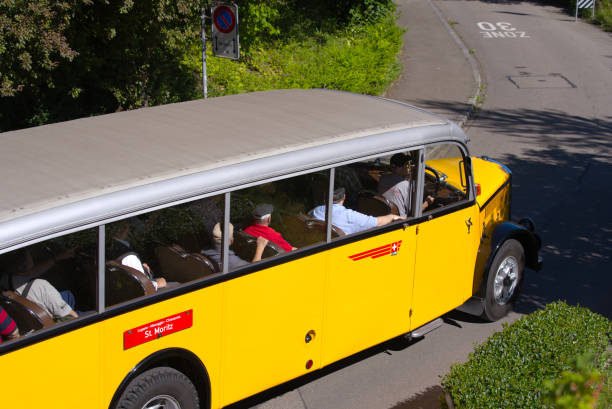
[(348, 220)]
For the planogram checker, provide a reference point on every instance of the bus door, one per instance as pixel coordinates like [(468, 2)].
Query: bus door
[(446, 240), (368, 291), (272, 326), (272, 316), (369, 280), (444, 265)]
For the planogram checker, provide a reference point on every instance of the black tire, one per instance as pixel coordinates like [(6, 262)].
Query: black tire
[(510, 263), (161, 384)]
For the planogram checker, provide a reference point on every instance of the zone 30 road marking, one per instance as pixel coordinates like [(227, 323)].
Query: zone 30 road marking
[(500, 29)]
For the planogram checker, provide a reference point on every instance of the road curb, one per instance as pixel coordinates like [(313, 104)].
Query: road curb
[(475, 68)]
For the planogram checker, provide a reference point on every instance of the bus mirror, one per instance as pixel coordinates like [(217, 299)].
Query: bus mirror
[(461, 175)]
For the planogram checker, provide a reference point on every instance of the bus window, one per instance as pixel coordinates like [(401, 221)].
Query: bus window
[(278, 212), (161, 250), (51, 281), (374, 192), (445, 182)]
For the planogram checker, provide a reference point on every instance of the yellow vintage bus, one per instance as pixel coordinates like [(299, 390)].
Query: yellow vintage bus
[(194, 254)]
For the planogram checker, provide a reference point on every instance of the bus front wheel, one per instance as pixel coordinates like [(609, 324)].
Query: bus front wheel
[(161, 387), (503, 282)]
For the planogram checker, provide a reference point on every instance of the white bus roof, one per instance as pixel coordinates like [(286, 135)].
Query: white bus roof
[(70, 174)]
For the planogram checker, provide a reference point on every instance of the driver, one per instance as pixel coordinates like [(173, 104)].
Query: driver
[(396, 186)]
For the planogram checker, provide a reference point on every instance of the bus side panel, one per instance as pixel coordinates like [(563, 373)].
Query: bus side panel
[(368, 291), (445, 258), (60, 373), (203, 338), (494, 213), (267, 317)]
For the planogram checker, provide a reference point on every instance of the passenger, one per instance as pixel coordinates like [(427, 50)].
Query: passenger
[(120, 248), (8, 328), (23, 279), (132, 260), (233, 260), (349, 220), (396, 186), (261, 227)]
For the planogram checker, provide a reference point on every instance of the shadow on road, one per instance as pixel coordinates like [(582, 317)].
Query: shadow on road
[(569, 195), (563, 180), (430, 398)]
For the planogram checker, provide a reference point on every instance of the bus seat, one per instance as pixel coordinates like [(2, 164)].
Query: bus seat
[(301, 231), (28, 315), (124, 283), (305, 230), (372, 204), (320, 224), (180, 266), (244, 246), (337, 232), (205, 265)]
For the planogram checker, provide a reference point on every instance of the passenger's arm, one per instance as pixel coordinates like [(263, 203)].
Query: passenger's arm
[(14, 334), (382, 220), (161, 282), (261, 245), (428, 201)]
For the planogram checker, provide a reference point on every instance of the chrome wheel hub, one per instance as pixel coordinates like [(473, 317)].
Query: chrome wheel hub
[(506, 279), (162, 402)]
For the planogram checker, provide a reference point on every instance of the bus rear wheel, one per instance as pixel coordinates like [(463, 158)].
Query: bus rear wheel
[(159, 388), (504, 280)]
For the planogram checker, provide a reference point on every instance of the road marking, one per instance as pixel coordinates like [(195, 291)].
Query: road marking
[(501, 29), (552, 80)]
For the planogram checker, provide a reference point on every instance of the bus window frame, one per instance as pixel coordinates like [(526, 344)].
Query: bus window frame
[(349, 238), (470, 193), (103, 312)]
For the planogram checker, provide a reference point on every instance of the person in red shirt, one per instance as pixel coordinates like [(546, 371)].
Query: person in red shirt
[(261, 227), (8, 328)]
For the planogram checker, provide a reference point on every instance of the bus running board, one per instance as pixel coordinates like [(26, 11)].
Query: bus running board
[(421, 331)]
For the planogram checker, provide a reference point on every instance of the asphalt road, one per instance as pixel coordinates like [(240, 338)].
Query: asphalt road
[(547, 114)]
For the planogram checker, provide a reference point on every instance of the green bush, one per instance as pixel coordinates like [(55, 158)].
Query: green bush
[(605, 394), (603, 13), (574, 389), (510, 368), (361, 58)]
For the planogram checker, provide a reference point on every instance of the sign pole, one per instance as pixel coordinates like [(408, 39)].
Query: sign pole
[(576, 17), (204, 80)]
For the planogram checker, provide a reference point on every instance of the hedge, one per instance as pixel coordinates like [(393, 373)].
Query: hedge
[(509, 369)]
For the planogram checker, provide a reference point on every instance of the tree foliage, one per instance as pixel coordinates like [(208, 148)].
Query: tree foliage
[(62, 59), (32, 42)]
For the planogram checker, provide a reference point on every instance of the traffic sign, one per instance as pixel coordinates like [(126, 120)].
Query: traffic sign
[(225, 30), (224, 19)]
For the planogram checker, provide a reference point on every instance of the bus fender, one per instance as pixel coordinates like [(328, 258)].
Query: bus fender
[(524, 233), (180, 359)]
